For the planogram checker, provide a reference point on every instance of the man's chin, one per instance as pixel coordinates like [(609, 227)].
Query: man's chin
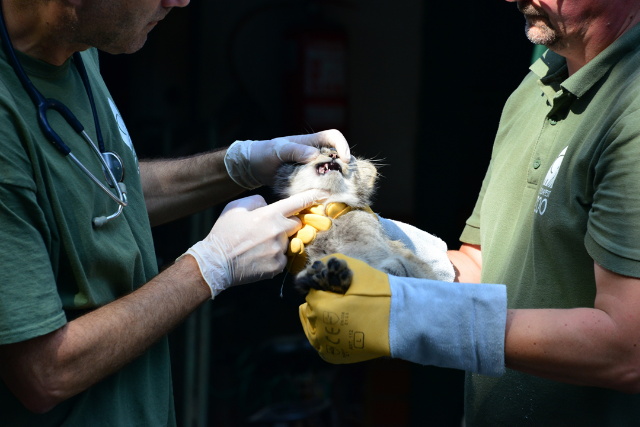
[(130, 46), (542, 35)]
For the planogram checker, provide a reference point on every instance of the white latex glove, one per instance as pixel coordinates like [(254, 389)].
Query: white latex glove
[(249, 240), (252, 164), (427, 247)]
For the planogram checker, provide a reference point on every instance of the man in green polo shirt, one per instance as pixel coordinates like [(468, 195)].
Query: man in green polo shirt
[(83, 311), (557, 223)]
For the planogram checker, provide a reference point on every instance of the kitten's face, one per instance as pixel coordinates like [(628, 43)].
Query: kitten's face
[(351, 183)]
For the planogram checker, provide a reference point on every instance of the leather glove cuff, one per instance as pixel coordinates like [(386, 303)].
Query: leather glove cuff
[(427, 247), (453, 325)]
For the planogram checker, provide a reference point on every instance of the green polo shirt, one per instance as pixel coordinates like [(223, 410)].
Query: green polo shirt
[(55, 265), (562, 190)]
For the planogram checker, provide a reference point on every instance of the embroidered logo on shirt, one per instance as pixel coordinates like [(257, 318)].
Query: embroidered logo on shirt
[(547, 185), (124, 133)]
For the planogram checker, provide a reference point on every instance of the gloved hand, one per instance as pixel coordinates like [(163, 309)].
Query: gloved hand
[(313, 219), (252, 164), (248, 241), (353, 327), (316, 218), (425, 246), (424, 321)]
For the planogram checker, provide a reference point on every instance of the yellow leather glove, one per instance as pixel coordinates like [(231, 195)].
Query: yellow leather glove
[(314, 219), (353, 327)]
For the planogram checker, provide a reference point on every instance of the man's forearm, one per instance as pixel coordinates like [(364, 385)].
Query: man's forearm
[(467, 263), (596, 346), (176, 188), (582, 346), (47, 370)]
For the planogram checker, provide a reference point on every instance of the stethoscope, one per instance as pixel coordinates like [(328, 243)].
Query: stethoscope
[(111, 163)]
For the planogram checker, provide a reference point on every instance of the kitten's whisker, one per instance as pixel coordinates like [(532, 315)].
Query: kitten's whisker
[(286, 273)]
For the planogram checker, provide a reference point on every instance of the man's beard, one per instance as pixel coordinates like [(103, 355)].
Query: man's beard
[(537, 28)]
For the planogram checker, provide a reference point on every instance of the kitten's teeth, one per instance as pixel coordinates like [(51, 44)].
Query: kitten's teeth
[(324, 168)]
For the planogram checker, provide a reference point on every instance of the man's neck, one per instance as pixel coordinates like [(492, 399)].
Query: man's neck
[(39, 30), (601, 34)]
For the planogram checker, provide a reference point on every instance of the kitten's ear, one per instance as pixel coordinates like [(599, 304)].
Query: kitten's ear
[(368, 173)]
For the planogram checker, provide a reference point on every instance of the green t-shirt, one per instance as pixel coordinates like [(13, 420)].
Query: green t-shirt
[(55, 264), (562, 190)]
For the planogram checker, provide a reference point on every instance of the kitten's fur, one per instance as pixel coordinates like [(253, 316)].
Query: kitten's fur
[(357, 234)]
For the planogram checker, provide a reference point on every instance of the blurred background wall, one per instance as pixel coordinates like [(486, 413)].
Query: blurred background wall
[(417, 85)]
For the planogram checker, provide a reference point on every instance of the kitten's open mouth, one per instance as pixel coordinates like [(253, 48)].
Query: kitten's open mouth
[(323, 168)]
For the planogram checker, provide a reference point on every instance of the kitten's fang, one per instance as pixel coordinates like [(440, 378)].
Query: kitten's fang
[(323, 168)]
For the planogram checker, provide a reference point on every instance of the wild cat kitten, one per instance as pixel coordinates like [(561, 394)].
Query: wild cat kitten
[(357, 233)]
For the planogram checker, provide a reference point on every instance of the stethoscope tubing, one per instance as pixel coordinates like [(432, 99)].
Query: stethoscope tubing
[(44, 104), (121, 198)]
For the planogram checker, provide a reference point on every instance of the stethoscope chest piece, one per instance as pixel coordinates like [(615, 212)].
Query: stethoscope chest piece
[(115, 165)]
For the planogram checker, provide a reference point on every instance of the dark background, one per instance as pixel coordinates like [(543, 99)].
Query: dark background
[(417, 85)]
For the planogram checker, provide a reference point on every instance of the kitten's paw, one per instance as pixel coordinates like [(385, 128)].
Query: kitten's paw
[(334, 276)]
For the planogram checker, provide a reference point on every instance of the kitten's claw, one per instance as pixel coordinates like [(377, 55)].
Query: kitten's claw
[(335, 276)]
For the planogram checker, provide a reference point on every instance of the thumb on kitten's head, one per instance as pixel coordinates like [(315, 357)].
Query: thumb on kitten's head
[(327, 138), (293, 152)]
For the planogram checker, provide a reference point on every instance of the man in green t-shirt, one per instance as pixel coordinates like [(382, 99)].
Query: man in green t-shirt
[(557, 224), (83, 311)]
